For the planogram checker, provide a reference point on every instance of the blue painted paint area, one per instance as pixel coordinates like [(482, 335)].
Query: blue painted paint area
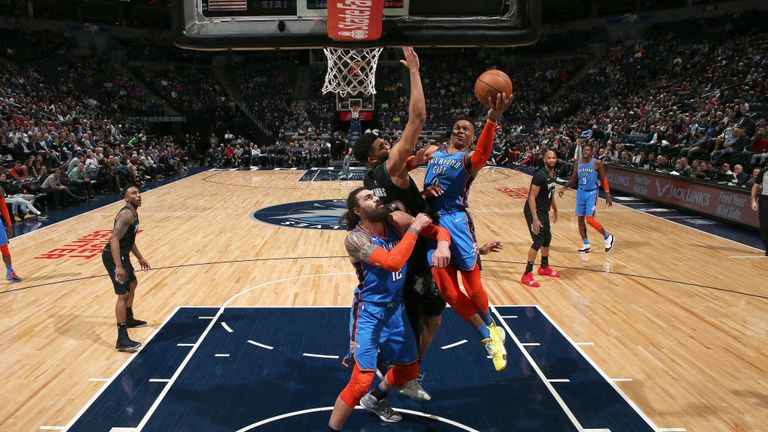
[(593, 400), (254, 384), (127, 399)]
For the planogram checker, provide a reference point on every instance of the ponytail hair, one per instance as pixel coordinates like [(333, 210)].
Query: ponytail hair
[(349, 217)]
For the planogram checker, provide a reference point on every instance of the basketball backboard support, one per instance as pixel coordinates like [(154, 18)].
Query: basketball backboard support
[(297, 24)]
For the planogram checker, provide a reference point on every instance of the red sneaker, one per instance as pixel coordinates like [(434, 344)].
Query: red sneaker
[(528, 280), (548, 271)]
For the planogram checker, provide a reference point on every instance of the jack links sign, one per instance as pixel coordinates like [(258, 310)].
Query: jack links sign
[(717, 201)]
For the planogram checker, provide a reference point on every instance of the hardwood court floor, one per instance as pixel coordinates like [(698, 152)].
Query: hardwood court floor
[(666, 308)]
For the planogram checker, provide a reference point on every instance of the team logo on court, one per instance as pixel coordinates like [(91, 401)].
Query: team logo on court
[(322, 214)]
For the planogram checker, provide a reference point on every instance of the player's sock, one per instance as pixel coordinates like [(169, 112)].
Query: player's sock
[(586, 242), (544, 262), (528, 267), (378, 393), (485, 333), (9, 269), (606, 235), (486, 316)]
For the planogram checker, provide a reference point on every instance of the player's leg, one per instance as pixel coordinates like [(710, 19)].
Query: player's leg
[(350, 396), (133, 283), (527, 278), (546, 239), (591, 219), (122, 289), (581, 213), (10, 274)]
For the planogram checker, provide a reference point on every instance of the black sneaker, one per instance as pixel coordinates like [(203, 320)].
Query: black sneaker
[(127, 345), (134, 323)]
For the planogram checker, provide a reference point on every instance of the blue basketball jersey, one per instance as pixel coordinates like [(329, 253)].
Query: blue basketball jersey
[(447, 171), (587, 175), (377, 285)]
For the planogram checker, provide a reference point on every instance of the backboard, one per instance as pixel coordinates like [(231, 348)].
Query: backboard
[(296, 24)]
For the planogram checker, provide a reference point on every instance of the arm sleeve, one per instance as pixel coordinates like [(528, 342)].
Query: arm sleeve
[(360, 248), (484, 146), (435, 232), (4, 211)]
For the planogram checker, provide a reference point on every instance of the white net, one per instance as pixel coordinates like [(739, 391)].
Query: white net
[(351, 71)]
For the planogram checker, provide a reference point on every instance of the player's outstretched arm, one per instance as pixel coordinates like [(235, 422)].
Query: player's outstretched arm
[(479, 157), (417, 115), (604, 181), (442, 255), (571, 181)]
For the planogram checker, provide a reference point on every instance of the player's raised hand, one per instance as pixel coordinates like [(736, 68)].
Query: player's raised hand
[(498, 106), (411, 59)]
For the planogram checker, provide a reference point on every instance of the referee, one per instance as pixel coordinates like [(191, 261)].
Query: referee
[(761, 187), (541, 196)]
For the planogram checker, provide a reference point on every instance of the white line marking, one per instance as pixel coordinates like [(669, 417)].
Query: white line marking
[(672, 430), (119, 371), (52, 427), (320, 356), (98, 379), (206, 317), (600, 371), (621, 379), (530, 344), (584, 343), (226, 327), (683, 217), (221, 355), (748, 257), (252, 342), (509, 316), (330, 408), (185, 345), (207, 330), (626, 198), (122, 429), (455, 344), (536, 368), (559, 380), (161, 380)]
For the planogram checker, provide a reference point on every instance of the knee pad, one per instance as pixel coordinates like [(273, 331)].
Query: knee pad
[(401, 375), (357, 387)]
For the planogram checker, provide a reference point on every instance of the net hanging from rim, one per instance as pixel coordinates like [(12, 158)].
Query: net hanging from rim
[(351, 71)]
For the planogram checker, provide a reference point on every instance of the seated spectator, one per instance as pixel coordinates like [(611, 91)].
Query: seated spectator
[(759, 147), (739, 176)]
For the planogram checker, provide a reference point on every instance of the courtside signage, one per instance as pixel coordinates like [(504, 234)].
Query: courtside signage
[(322, 214)]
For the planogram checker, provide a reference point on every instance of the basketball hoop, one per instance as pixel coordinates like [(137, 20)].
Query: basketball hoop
[(351, 71), (354, 111)]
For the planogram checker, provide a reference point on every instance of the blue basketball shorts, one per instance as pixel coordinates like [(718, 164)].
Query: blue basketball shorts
[(586, 202), (463, 241), (380, 327), (3, 235)]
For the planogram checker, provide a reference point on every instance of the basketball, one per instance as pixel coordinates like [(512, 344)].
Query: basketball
[(490, 83)]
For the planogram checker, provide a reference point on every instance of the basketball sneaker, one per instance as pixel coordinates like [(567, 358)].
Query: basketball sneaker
[(528, 280), (132, 322), (497, 333), (381, 408), (585, 249), (125, 344), (414, 390), (549, 272), (13, 277), (609, 242), (497, 352)]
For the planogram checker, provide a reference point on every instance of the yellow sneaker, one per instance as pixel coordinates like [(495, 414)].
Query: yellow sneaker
[(497, 352), (497, 333)]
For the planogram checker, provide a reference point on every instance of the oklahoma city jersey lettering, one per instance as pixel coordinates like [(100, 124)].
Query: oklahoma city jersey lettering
[(376, 284), (587, 175), (447, 171)]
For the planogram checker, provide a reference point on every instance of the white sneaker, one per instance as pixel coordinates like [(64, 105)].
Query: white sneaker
[(381, 408), (585, 249), (609, 242), (414, 390)]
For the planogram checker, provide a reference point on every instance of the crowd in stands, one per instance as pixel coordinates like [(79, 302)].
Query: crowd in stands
[(60, 144)]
